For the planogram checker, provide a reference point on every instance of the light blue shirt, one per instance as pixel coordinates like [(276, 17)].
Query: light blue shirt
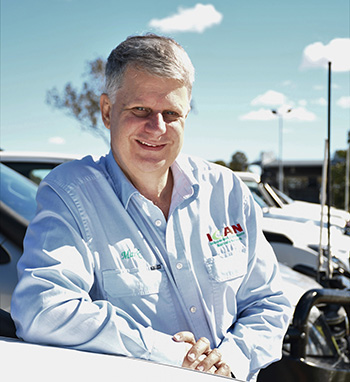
[(104, 271)]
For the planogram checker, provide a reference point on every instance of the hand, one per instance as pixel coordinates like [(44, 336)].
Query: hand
[(201, 357)]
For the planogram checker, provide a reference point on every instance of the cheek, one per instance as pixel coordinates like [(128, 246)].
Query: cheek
[(179, 131)]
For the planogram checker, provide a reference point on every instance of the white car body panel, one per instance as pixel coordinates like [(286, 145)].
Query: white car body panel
[(300, 210), (23, 361)]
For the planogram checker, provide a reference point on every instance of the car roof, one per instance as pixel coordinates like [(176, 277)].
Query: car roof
[(38, 157), (248, 176)]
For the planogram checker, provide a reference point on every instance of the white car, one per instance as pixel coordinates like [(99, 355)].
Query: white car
[(283, 207), (34, 165), (316, 333), (29, 362), (297, 236), (297, 243), (313, 210)]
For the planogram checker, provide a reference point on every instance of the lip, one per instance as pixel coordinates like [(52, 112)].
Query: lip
[(149, 146)]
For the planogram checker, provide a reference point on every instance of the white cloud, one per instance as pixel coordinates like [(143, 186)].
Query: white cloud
[(278, 102), (270, 98), (344, 102), (337, 51), (57, 140), (258, 115), (301, 114), (297, 114), (195, 19), (320, 101)]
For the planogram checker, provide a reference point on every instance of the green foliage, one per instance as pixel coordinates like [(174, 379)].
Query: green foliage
[(239, 162), (221, 163), (83, 104), (338, 179)]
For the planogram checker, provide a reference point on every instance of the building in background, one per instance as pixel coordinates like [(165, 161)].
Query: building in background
[(302, 178)]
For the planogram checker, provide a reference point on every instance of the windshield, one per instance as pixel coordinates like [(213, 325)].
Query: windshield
[(259, 200), (285, 198), (258, 190), (17, 192)]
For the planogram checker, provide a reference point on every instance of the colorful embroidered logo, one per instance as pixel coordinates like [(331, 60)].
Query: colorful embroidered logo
[(227, 235)]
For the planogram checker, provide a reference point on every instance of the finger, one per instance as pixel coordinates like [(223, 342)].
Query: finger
[(185, 337), (212, 359), (202, 346), (223, 369)]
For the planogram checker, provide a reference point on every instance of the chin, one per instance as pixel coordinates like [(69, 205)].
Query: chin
[(152, 166)]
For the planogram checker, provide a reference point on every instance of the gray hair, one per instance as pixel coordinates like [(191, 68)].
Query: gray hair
[(159, 56)]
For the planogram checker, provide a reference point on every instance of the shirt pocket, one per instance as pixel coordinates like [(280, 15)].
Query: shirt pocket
[(227, 267), (133, 282)]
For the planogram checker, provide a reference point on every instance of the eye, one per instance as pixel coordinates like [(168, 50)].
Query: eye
[(141, 112), (170, 116)]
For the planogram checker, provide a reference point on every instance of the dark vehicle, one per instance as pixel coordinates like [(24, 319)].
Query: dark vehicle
[(316, 346), (17, 208), (33, 165)]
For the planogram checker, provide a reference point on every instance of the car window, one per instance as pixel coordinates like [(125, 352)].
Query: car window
[(37, 175), (35, 171), (17, 192)]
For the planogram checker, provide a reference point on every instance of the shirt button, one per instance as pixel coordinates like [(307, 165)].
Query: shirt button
[(193, 309), (158, 223), (179, 266)]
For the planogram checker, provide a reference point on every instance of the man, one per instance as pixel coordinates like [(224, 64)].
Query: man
[(147, 252)]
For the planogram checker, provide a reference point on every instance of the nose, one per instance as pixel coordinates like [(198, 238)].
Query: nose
[(156, 124)]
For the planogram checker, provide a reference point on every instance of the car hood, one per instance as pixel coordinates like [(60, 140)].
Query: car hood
[(303, 211), (295, 284), (40, 363)]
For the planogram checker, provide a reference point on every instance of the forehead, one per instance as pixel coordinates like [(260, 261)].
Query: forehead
[(140, 86)]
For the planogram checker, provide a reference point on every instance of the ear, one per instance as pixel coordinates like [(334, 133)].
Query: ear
[(106, 107)]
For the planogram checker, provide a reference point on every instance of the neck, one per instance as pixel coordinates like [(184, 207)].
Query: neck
[(158, 191)]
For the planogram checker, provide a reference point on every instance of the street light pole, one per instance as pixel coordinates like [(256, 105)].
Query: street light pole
[(280, 148), (347, 175)]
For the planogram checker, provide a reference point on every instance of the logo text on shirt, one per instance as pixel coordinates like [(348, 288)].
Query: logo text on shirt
[(226, 235), (129, 254)]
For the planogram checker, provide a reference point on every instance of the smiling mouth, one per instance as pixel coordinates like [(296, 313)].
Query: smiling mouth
[(149, 144)]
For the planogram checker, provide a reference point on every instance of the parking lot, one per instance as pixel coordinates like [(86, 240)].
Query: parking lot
[(317, 344)]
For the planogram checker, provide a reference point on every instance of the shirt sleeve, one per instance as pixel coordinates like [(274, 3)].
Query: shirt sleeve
[(255, 339), (51, 303)]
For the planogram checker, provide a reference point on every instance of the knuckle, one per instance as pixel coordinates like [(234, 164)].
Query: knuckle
[(205, 340), (216, 353)]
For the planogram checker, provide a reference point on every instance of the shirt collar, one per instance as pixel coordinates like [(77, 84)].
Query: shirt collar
[(185, 185), (122, 185), (183, 181)]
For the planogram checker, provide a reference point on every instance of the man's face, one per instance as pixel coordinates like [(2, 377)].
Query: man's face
[(146, 122)]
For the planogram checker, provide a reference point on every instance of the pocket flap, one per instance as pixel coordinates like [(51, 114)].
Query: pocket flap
[(131, 282), (223, 268)]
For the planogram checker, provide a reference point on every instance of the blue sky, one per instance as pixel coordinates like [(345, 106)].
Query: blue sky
[(250, 57)]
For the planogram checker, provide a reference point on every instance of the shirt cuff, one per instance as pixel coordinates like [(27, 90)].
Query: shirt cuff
[(235, 358), (165, 350)]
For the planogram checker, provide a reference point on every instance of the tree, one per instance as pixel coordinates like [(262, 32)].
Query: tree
[(338, 178), (221, 162), (239, 162), (83, 104)]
